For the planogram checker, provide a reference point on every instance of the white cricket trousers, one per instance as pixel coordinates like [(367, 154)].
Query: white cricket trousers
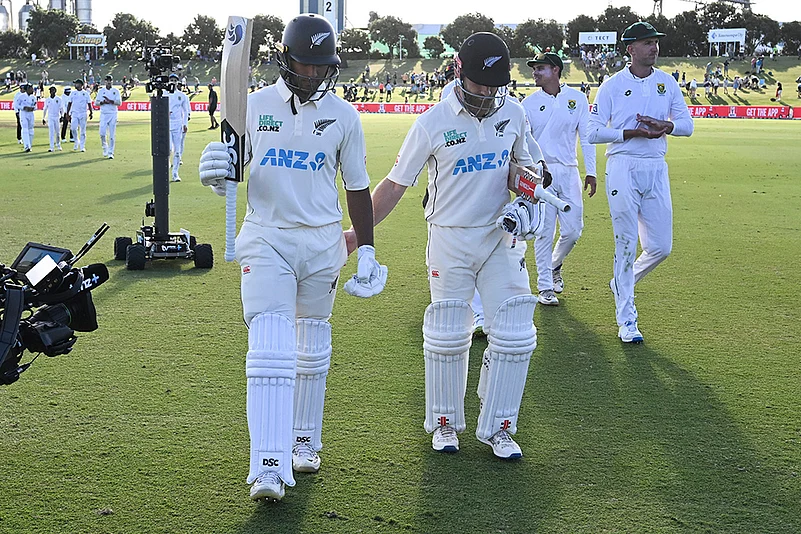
[(638, 191), (26, 122), (567, 186), (290, 271), (108, 127), (461, 260), (76, 123), (54, 127), (177, 149)]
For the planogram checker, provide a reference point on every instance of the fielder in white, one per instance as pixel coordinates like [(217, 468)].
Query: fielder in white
[(291, 247), (467, 141), (80, 102), (16, 107), (557, 115), (108, 99), (633, 112), (53, 111), (26, 105), (179, 116)]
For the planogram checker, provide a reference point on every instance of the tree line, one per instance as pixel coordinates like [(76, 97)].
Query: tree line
[(49, 30)]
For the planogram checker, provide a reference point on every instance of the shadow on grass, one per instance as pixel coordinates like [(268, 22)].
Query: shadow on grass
[(639, 437), (612, 435), (125, 195)]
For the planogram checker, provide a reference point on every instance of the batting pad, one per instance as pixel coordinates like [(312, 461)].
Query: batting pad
[(270, 371), (512, 339), (446, 346), (314, 359)]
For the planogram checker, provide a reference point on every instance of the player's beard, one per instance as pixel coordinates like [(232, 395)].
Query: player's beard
[(307, 87), (481, 106)]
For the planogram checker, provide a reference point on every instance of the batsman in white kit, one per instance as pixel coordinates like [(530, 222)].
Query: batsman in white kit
[(108, 99), (467, 141), (179, 119), (559, 114), (291, 247), (51, 117), (633, 112)]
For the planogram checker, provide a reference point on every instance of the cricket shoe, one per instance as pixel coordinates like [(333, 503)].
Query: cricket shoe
[(83, 149), (49, 149), (444, 439), (59, 148), (27, 149), (305, 459), (478, 325), (111, 156), (558, 283), (629, 333), (267, 485), (176, 178), (503, 446), (548, 298)]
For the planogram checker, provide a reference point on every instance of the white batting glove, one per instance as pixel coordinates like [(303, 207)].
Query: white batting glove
[(370, 277), (215, 167), (521, 218)]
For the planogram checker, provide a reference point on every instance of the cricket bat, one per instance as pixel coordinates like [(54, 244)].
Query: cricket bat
[(528, 184), (233, 102)]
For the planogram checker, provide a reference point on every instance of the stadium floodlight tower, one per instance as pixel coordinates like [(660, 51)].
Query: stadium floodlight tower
[(156, 241)]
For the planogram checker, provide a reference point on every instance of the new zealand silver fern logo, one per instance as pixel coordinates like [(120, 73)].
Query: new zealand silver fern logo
[(235, 34), (318, 38), (490, 61), (500, 127), (321, 125)]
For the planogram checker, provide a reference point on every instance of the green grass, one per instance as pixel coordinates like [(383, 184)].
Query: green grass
[(784, 69), (697, 430)]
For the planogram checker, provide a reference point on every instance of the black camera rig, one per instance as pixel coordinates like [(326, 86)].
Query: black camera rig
[(43, 283), (153, 242)]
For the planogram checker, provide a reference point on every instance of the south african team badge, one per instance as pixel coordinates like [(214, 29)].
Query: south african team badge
[(660, 88), (571, 106)]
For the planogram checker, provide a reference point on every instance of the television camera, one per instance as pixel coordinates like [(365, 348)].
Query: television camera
[(43, 283)]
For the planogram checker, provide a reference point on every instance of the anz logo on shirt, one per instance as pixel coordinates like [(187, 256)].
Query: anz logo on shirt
[(292, 159), (481, 162)]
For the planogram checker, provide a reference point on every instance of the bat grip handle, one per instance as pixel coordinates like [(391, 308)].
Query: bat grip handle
[(546, 196), (230, 220)]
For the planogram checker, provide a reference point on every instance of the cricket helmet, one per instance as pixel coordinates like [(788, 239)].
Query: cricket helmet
[(484, 59), (311, 40)]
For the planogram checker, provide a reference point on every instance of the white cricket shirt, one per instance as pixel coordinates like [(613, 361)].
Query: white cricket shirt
[(619, 100), (26, 100), (80, 102), (65, 101), (295, 158), (179, 110), (15, 104), (112, 94), (556, 121), (52, 108), (468, 161)]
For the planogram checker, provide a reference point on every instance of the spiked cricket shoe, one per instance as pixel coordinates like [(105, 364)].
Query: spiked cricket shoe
[(629, 333), (548, 298), (558, 283), (305, 459), (444, 439), (268, 485), (504, 447)]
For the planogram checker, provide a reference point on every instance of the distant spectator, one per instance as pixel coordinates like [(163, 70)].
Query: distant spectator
[(778, 90)]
